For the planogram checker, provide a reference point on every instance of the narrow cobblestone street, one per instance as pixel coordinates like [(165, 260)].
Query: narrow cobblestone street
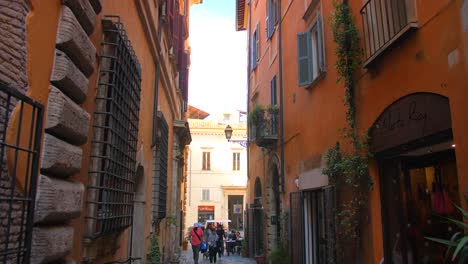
[(187, 258)]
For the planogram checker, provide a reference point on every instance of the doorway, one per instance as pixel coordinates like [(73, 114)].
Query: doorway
[(415, 152), (138, 226), (235, 212)]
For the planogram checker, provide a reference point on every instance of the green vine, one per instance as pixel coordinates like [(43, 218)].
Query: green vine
[(349, 171), (257, 112)]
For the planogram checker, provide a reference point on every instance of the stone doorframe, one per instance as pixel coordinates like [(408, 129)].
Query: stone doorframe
[(138, 225), (274, 210)]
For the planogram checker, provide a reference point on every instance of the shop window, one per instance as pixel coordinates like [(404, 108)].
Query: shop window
[(113, 149)]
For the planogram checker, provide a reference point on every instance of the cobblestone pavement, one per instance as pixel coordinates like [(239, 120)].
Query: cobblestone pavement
[(187, 258)]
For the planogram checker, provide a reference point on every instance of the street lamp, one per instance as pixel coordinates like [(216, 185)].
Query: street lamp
[(228, 133)]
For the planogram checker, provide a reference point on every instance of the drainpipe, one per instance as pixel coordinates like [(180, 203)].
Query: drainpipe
[(280, 47), (249, 43)]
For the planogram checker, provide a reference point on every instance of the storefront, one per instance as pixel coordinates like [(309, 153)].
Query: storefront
[(205, 212), (414, 147)]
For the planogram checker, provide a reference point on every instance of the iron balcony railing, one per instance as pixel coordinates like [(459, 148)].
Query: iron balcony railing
[(385, 21), (266, 128), (21, 121)]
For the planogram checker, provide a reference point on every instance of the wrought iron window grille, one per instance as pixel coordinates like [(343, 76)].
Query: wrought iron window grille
[(19, 169), (160, 154), (113, 154)]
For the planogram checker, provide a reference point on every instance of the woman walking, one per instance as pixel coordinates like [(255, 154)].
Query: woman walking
[(212, 244), (196, 235)]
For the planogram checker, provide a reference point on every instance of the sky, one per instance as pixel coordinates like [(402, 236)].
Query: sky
[(218, 70)]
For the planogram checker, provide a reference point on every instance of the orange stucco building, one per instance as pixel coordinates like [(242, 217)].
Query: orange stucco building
[(111, 78), (408, 94)]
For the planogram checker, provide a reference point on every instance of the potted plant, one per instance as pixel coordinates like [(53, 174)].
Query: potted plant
[(459, 241), (254, 114), (279, 255)]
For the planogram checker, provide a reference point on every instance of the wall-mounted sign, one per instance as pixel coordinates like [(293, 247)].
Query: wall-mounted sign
[(238, 208), (206, 208)]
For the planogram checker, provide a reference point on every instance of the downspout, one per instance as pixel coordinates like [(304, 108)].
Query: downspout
[(248, 87), (280, 47)]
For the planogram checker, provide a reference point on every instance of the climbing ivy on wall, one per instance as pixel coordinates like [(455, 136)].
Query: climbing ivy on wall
[(154, 254), (348, 170)]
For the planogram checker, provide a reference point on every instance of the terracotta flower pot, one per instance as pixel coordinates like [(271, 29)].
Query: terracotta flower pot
[(184, 245), (259, 259)]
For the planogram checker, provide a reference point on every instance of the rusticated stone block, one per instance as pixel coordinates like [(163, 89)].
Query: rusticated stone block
[(65, 119), (58, 200), (97, 5), (84, 12), (51, 243), (68, 78), (59, 158), (72, 40)]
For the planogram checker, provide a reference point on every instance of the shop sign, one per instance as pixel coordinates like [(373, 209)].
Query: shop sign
[(410, 118), (205, 208)]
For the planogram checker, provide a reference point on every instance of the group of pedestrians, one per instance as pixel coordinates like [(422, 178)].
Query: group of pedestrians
[(212, 238)]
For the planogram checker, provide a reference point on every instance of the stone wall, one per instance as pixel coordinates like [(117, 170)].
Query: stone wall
[(12, 73), (59, 198)]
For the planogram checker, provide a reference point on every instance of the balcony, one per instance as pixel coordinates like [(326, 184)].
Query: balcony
[(265, 127), (384, 22)]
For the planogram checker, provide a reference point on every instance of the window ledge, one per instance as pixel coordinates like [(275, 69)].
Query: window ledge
[(411, 26), (316, 80), (309, 9)]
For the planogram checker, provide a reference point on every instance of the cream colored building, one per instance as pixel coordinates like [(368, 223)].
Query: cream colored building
[(217, 171)]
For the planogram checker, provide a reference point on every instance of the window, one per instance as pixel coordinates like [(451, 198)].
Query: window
[(206, 194), (273, 91), (226, 117), (206, 161), (255, 47), (236, 161), (311, 61), (113, 151), (160, 159), (271, 17)]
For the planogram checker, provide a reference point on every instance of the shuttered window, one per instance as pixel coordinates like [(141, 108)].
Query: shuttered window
[(271, 17), (206, 161), (273, 91), (160, 159), (310, 54), (206, 194), (236, 161), (255, 47)]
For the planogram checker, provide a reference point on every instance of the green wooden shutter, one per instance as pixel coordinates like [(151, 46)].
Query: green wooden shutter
[(320, 46), (254, 50), (273, 91), (257, 42), (267, 19), (304, 58)]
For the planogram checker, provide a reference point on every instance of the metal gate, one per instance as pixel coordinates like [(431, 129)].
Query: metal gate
[(313, 230), (255, 231), (297, 228), (20, 141)]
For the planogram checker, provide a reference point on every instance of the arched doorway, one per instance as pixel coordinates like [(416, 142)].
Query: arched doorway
[(138, 227), (255, 220), (274, 202), (414, 147)]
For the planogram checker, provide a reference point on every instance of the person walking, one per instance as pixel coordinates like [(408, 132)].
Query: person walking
[(196, 235), (212, 245), (221, 236)]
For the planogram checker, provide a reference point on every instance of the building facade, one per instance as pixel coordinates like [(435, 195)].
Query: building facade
[(407, 96), (217, 172), (94, 95)]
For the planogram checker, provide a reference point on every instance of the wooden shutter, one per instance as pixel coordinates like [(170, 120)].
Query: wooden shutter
[(257, 43), (320, 46), (267, 19), (208, 165), (254, 50), (304, 58), (273, 91)]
